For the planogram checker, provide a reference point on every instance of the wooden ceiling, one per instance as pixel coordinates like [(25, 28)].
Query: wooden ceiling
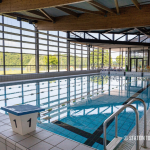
[(77, 18)]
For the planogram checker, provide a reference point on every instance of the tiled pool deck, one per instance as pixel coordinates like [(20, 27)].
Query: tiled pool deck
[(45, 140), (37, 140)]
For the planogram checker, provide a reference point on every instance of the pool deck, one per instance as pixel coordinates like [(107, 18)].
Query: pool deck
[(37, 140), (44, 140)]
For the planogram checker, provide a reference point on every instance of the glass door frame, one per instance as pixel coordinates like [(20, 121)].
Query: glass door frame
[(136, 63)]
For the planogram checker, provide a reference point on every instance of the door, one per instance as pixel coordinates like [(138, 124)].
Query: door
[(136, 64), (133, 65), (139, 65)]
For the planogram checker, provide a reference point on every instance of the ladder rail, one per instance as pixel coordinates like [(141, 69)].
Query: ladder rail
[(115, 115), (145, 118), (116, 121)]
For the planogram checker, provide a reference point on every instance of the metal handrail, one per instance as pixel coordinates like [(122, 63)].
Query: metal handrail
[(145, 118), (116, 124)]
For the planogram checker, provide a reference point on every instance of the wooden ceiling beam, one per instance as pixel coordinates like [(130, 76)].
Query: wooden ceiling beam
[(38, 13), (47, 15), (8, 6), (68, 11), (92, 22), (101, 10), (101, 6), (26, 17), (83, 10), (135, 2), (117, 6)]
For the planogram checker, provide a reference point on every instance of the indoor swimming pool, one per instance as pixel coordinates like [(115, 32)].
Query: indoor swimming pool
[(76, 107)]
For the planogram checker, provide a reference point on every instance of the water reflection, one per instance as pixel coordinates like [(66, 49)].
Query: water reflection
[(77, 107)]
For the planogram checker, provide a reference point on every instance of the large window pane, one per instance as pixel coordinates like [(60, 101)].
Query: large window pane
[(13, 70), (29, 69), (1, 64), (13, 59), (28, 59), (1, 70)]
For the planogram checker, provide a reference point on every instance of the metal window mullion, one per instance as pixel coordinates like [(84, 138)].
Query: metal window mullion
[(75, 56), (113, 37), (129, 59), (88, 60), (126, 37), (37, 50), (81, 87), (102, 58), (97, 58), (3, 45), (68, 55), (21, 47), (109, 58), (58, 53), (48, 49), (99, 36), (93, 59), (81, 57), (148, 56), (122, 58), (119, 58)]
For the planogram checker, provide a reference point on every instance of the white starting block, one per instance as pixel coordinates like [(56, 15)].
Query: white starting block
[(23, 118)]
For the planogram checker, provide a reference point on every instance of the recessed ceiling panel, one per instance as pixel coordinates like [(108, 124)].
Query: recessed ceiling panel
[(55, 12), (84, 5)]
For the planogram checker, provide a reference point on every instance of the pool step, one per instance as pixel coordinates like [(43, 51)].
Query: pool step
[(113, 143)]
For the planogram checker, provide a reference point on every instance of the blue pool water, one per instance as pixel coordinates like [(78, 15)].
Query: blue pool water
[(76, 107)]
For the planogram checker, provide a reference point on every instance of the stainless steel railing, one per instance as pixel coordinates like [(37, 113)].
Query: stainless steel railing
[(145, 118), (115, 115)]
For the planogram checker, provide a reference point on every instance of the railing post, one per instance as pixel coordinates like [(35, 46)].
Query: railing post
[(145, 126), (116, 126), (104, 138), (145, 118)]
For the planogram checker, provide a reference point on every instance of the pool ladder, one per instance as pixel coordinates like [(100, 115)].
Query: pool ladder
[(117, 139)]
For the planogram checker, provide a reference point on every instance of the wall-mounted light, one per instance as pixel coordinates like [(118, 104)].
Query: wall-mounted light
[(18, 19), (35, 21), (30, 21)]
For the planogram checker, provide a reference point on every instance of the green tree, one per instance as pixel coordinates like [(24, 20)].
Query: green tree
[(119, 60), (106, 58), (28, 59), (53, 60), (72, 58), (13, 59), (98, 57)]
